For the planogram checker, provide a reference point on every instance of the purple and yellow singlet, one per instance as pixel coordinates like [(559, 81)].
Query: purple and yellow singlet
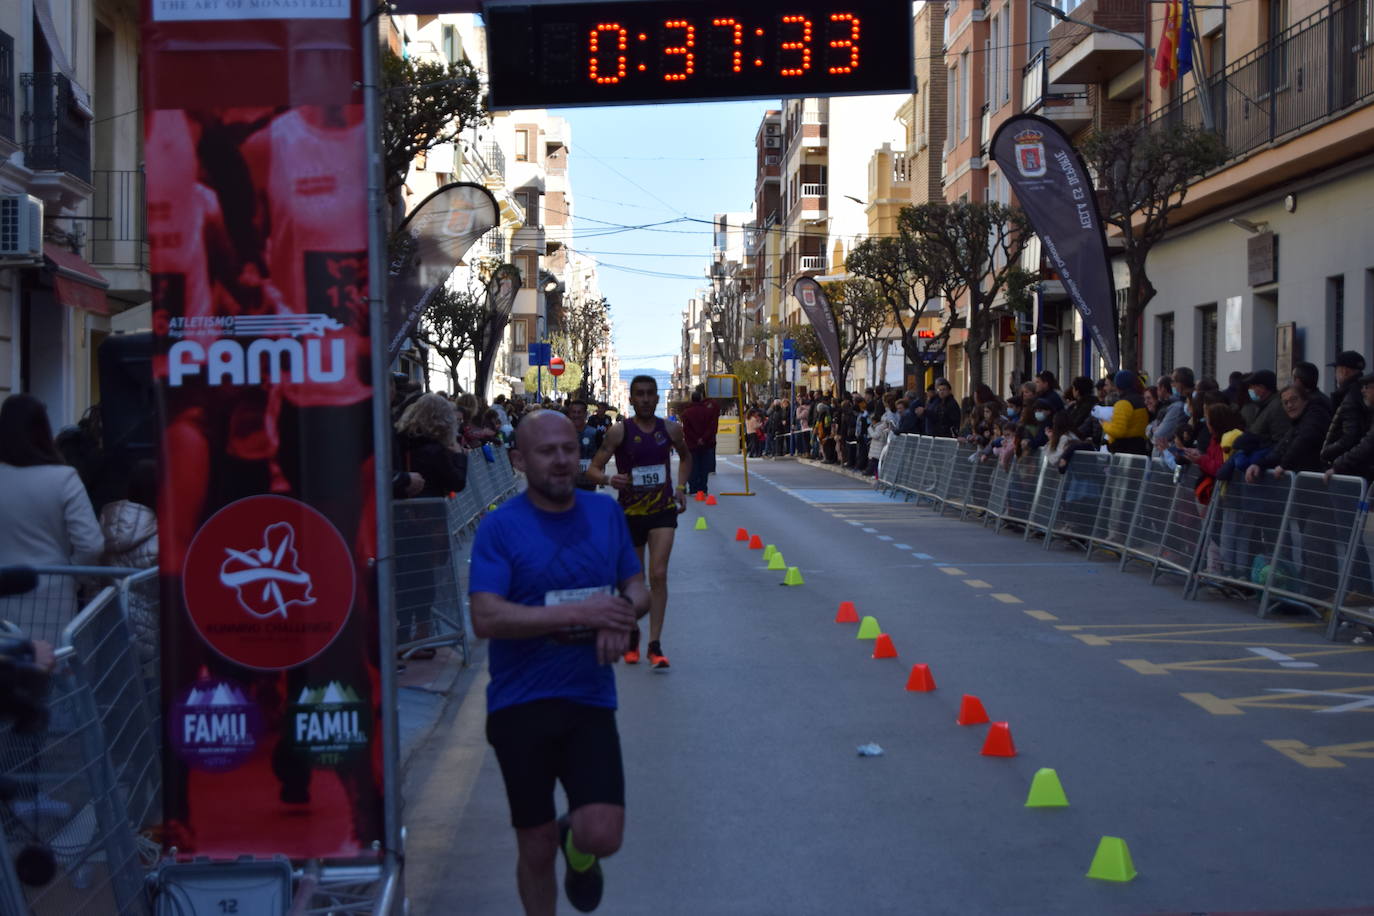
[(646, 459)]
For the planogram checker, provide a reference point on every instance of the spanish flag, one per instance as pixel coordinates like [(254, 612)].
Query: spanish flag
[(1166, 57)]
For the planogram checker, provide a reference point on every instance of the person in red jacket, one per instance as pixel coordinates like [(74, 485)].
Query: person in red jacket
[(699, 420)]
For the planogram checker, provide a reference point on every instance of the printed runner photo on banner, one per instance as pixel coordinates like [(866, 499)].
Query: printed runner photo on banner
[(257, 221)]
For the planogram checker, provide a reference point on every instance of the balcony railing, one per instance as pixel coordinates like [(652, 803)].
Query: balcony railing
[(1316, 69), (495, 159), (57, 134), (813, 262), (813, 190), (119, 233)]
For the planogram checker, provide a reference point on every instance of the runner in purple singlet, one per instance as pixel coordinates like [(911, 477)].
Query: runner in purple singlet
[(643, 447)]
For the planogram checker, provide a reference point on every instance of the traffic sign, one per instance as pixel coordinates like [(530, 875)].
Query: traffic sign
[(540, 353), (789, 348), (556, 366)]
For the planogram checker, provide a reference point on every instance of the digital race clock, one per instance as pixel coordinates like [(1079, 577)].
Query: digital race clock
[(626, 51)]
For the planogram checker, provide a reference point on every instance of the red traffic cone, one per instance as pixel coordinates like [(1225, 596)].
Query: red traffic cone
[(971, 711), (920, 679), (741, 534), (847, 614), (700, 497), (756, 543), (711, 501), (998, 743), (883, 648)]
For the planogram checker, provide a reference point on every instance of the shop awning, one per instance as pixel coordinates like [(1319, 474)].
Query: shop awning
[(76, 284)]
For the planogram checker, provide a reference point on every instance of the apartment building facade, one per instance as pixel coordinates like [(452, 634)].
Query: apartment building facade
[(73, 250), (1269, 262)]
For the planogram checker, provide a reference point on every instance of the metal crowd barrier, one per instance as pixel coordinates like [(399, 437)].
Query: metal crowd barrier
[(80, 789), (431, 538), (1300, 541)]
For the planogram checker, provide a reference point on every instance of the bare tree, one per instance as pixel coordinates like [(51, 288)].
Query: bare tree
[(453, 325), (861, 311), (586, 325), (1142, 174), (905, 276), (725, 306), (972, 253)]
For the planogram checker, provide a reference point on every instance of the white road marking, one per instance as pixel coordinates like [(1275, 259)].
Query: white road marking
[(905, 547), (854, 523), (884, 537), (869, 530), (1360, 700), (1287, 661), (923, 556)]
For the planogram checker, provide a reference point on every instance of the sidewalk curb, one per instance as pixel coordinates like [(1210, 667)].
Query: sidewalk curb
[(443, 688)]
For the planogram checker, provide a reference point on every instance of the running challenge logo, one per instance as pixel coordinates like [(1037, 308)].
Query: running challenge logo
[(282, 348), (268, 582)]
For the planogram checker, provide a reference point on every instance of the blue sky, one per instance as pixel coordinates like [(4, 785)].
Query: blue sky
[(640, 164)]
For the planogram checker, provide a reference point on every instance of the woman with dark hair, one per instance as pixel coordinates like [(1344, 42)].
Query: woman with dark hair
[(47, 518)]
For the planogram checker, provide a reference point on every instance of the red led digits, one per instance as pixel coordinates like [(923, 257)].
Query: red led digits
[(689, 41), (852, 42), (802, 45), (594, 49), (737, 30)]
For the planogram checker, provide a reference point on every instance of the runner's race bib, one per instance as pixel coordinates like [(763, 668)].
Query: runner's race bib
[(649, 476), (583, 464), (573, 635)]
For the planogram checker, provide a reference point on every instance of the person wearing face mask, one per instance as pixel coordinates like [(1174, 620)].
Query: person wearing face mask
[(1264, 416), (1300, 447)]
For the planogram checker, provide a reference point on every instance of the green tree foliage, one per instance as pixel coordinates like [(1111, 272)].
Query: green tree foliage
[(1143, 173), (568, 382), (424, 105)]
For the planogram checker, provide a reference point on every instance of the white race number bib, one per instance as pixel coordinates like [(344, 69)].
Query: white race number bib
[(652, 475)]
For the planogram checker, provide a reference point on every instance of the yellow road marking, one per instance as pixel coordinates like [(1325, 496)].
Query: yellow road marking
[(1322, 758), (977, 583), (1006, 598), (1141, 666), (1214, 704), (1089, 640), (1065, 626), (1041, 615), (951, 570)]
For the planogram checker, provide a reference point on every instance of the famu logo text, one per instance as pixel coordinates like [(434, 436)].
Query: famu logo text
[(215, 728), (284, 348), (327, 722)]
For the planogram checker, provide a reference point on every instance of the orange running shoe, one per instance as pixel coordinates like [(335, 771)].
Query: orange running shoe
[(657, 660), (632, 653)]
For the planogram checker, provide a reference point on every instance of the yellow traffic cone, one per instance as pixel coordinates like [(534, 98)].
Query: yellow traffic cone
[(793, 577), (1046, 791), (868, 628), (769, 551), (776, 561), (701, 524)]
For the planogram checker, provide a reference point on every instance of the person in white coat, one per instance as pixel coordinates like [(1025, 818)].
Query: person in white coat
[(45, 518)]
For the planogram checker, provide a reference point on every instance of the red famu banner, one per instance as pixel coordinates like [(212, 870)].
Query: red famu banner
[(257, 219)]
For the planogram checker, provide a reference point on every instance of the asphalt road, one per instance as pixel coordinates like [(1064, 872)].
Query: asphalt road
[(1233, 755)]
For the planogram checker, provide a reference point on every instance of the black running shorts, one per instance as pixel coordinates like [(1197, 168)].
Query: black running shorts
[(547, 741), (641, 524)]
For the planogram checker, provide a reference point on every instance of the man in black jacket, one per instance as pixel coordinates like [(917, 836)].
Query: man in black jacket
[(942, 411), (1359, 460), (1299, 449), (1351, 421)]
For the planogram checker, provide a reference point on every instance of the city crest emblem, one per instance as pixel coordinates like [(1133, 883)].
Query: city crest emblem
[(1030, 153)]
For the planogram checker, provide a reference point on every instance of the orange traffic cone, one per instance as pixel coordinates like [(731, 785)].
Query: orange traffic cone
[(920, 679), (971, 711), (700, 497), (998, 743), (883, 648), (741, 534), (710, 500), (847, 614), (756, 543)]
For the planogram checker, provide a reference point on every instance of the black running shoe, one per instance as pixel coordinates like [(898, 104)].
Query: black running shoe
[(582, 887)]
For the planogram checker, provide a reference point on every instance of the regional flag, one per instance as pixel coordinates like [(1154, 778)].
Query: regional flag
[(1184, 55)]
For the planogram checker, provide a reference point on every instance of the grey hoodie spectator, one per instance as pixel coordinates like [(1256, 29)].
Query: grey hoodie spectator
[(1174, 417)]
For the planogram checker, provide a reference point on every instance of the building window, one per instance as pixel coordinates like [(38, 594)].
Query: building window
[(519, 335), (1207, 341), (522, 145), (1166, 344), (1335, 315), (952, 108), (965, 96), (6, 86), (528, 199)]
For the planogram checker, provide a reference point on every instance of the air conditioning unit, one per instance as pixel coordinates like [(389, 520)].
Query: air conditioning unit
[(21, 227), (772, 142)]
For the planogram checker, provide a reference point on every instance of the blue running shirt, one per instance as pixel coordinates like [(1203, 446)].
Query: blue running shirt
[(522, 554)]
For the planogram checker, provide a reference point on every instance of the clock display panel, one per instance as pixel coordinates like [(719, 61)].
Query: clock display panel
[(637, 51)]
